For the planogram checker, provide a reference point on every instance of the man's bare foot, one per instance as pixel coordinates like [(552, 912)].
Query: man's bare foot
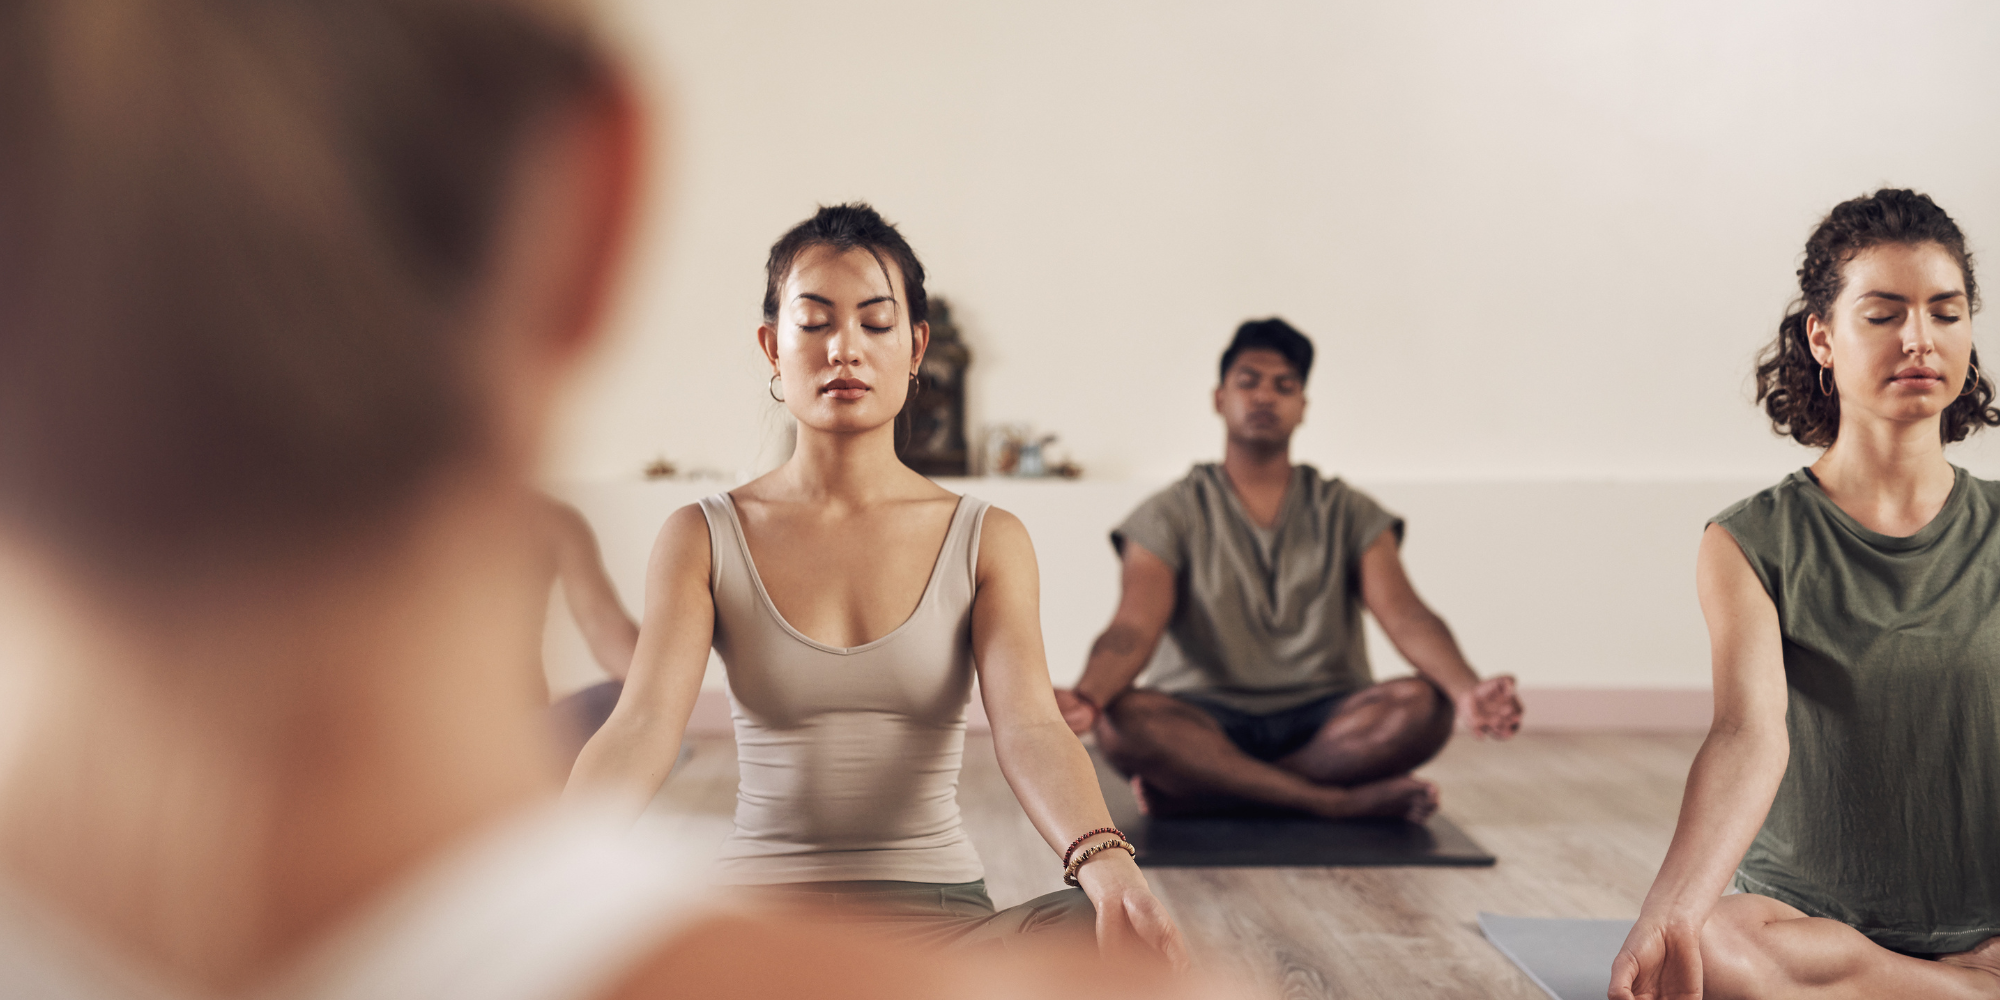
[(1139, 795), (1984, 957), (1407, 797)]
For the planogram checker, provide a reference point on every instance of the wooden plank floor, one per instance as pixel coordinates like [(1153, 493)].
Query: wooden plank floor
[(1579, 822)]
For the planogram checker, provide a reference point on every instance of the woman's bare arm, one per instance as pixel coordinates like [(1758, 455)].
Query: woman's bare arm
[(591, 596), (1044, 764), (1730, 786), (632, 754)]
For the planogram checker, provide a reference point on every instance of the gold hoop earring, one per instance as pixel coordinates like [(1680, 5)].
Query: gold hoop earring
[(916, 387), (1971, 382), (1823, 390), (773, 388)]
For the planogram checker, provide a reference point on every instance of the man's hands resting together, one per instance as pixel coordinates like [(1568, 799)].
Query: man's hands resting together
[(1078, 710), (1490, 708)]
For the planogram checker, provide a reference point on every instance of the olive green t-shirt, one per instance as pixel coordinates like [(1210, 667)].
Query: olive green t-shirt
[(1264, 620), (1888, 817)]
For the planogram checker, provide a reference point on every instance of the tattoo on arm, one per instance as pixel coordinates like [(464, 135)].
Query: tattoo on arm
[(1116, 641)]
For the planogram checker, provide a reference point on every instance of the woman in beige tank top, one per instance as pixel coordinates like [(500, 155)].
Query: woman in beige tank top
[(852, 601)]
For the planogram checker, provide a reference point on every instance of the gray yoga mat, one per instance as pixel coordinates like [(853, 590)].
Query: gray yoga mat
[(1568, 959), (1277, 841)]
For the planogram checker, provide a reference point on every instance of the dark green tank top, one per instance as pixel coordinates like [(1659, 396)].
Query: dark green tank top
[(1888, 818)]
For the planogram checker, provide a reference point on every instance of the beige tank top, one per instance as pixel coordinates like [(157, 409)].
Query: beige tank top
[(848, 758)]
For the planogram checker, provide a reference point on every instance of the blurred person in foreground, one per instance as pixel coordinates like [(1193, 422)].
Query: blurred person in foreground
[(1243, 589), (287, 292)]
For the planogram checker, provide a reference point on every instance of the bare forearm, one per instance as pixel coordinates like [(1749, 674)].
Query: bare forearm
[(1729, 791), (1116, 659), (1051, 775), (625, 763), (1426, 641)]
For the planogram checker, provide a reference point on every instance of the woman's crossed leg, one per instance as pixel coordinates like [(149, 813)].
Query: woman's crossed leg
[(1756, 946)]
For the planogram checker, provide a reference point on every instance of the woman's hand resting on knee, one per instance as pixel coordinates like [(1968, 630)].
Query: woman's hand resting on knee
[(1131, 921), (1661, 960)]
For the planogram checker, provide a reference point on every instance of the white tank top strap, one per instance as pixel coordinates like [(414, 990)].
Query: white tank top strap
[(973, 510), (557, 905), (731, 576), (725, 540)]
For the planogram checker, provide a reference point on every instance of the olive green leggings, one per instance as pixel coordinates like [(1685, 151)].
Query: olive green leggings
[(954, 914)]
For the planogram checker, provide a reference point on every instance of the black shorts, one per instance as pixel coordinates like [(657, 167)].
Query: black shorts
[(1271, 736)]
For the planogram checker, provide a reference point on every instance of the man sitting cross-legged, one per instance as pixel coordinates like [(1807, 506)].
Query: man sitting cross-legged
[(1255, 571)]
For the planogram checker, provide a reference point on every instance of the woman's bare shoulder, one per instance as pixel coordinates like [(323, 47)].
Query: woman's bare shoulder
[(686, 520), (683, 543), (1003, 524), (1004, 545)]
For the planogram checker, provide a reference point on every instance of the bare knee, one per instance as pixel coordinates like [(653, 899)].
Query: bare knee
[(1735, 955), (1415, 716), (1386, 730), (1414, 696), (1754, 946), (1137, 729)]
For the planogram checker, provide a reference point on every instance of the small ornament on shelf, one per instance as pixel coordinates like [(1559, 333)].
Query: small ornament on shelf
[(1017, 451)]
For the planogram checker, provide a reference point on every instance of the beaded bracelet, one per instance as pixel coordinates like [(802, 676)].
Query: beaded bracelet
[(1078, 842), (1069, 873)]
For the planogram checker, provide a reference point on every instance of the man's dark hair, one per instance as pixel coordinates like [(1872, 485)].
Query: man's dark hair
[(1271, 334), (853, 226)]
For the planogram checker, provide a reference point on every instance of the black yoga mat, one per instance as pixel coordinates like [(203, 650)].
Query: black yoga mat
[(1284, 841)]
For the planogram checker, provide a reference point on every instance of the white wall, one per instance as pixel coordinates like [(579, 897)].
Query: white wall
[(1565, 585), (1537, 244), (1537, 239)]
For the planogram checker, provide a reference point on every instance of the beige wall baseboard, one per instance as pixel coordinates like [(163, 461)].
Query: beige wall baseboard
[(1572, 710), (1620, 709)]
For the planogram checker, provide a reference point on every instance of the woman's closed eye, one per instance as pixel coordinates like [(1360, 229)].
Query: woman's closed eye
[(878, 317), (822, 327)]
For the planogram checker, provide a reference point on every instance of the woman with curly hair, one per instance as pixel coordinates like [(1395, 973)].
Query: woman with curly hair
[(1850, 784)]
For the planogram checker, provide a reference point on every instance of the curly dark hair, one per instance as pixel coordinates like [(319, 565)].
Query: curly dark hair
[(1788, 376)]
